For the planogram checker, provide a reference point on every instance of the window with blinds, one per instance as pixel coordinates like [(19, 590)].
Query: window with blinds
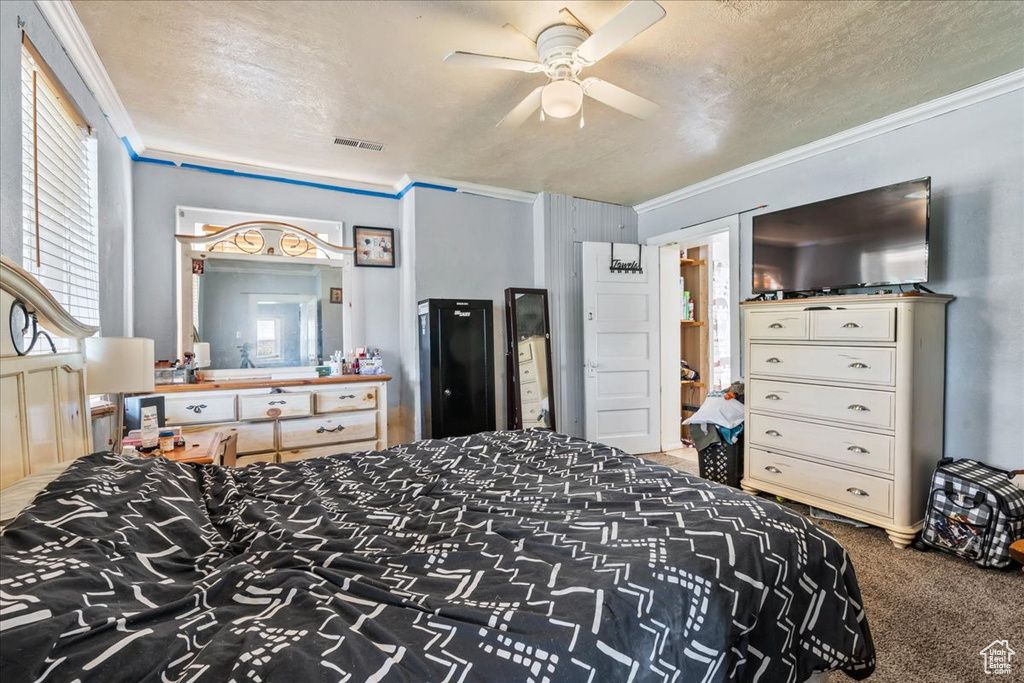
[(59, 213)]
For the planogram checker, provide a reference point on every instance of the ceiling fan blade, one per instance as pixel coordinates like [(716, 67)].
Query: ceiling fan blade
[(489, 62), (634, 19), (620, 99), (523, 110)]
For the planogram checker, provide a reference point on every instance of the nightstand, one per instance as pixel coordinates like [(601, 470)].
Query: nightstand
[(201, 449)]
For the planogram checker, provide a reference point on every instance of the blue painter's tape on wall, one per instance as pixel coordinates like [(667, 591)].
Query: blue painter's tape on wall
[(145, 160), (277, 179), (290, 181), (444, 188)]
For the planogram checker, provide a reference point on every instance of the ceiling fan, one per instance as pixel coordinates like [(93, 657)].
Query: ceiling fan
[(563, 50)]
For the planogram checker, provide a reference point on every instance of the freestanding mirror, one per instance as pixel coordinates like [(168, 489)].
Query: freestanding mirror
[(531, 392)]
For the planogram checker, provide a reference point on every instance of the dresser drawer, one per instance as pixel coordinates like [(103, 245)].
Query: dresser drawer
[(530, 392), (320, 431), (273, 406), (344, 399), (777, 325), (244, 460), (525, 352), (855, 324), (196, 409), (866, 407), (866, 365), (527, 373), (253, 437), (848, 489), (327, 451), (834, 444)]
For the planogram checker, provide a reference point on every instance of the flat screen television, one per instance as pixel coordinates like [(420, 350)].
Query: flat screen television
[(871, 238)]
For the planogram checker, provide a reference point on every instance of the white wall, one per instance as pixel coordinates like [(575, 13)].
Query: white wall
[(975, 157), (114, 181)]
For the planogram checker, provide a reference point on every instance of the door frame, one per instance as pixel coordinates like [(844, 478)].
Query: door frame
[(670, 243)]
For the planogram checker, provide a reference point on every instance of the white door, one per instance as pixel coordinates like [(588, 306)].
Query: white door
[(621, 339)]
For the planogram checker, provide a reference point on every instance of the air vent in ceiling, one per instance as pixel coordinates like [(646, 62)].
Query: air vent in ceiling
[(360, 144)]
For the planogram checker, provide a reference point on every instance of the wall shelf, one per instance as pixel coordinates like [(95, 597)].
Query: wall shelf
[(689, 262), (692, 323), (692, 383)]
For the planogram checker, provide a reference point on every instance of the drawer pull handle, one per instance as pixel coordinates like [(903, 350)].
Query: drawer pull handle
[(773, 470), (773, 397), (322, 430), (342, 398), (859, 365), (776, 326), (197, 409), (773, 359), (851, 326), (772, 432), (277, 403), (858, 492), (858, 449), (858, 407)]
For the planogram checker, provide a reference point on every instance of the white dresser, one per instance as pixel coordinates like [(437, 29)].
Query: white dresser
[(844, 404), (533, 382), (285, 420)]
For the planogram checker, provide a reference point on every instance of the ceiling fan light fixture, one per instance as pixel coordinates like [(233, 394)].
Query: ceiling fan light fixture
[(561, 99)]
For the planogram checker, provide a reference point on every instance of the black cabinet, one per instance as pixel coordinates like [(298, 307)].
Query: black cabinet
[(456, 367)]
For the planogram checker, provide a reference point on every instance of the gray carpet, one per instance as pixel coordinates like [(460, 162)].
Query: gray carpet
[(930, 613)]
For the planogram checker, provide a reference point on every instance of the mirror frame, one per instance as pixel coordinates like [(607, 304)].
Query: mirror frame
[(515, 417), (268, 235)]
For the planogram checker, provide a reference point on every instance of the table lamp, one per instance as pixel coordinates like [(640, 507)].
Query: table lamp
[(118, 365)]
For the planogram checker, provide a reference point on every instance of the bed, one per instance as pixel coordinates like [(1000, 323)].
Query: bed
[(503, 556)]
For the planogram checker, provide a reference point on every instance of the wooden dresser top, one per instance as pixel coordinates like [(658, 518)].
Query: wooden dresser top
[(266, 383)]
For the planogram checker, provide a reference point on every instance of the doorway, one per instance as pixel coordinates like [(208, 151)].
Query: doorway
[(699, 320)]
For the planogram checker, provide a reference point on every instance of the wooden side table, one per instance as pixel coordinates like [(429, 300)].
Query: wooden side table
[(201, 449)]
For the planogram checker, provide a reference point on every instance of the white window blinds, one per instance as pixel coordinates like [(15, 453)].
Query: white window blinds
[(59, 212)]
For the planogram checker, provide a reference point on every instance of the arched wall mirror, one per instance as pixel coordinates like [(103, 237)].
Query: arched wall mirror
[(264, 296), (531, 392)]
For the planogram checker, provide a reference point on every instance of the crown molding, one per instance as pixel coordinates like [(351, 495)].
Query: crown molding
[(410, 181), (244, 170), (70, 32), (922, 112)]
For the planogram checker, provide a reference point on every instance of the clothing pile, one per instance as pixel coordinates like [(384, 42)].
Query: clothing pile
[(719, 419)]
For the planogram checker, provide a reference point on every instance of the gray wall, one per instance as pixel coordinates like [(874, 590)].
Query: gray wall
[(114, 181), (561, 224), (159, 189), (469, 246), (975, 157), (449, 244)]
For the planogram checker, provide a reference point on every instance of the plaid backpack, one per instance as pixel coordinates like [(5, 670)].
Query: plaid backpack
[(974, 511)]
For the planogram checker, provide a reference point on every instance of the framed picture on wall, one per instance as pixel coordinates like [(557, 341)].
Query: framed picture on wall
[(375, 247), (337, 296)]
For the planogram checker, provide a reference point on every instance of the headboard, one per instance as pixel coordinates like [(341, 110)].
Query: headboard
[(44, 408)]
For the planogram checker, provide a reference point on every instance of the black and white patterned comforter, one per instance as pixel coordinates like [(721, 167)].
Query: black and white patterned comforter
[(506, 556)]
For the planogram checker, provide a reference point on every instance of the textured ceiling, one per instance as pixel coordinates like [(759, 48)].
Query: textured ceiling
[(270, 84)]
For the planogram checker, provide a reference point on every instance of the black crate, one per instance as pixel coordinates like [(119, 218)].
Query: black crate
[(722, 462)]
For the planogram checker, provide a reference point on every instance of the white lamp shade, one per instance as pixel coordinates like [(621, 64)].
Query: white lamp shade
[(202, 351), (115, 365), (561, 99)]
